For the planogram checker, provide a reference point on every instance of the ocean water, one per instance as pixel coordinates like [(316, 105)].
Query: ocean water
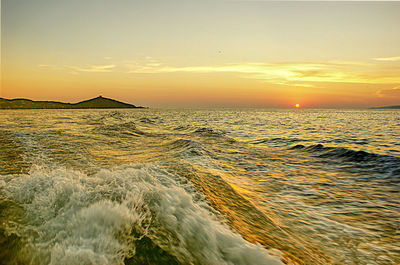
[(157, 186)]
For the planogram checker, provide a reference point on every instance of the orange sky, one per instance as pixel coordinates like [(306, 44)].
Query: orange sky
[(208, 53)]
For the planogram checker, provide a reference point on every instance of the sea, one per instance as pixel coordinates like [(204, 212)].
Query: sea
[(200, 186)]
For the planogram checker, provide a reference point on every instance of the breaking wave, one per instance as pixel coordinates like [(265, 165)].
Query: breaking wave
[(134, 214)]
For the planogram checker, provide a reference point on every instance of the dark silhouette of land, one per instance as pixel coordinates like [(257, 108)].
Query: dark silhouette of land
[(94, 103), (388, 107)]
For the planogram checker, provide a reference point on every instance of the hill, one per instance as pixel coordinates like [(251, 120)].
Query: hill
[(94, 103), (388, 107)]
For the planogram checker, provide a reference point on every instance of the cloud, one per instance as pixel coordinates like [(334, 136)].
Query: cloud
[(93, 68), (294, 74), (50, 67), (388, 59), (301, 74), (394, 92)]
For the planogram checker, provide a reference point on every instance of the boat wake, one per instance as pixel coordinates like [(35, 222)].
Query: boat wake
[(136, 214)]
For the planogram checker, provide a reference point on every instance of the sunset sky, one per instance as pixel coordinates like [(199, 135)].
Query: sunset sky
[(203, 53)]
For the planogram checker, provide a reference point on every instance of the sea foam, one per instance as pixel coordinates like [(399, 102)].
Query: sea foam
[(73, 218)]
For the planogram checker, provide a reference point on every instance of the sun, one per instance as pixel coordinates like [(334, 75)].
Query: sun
[(297, 105)]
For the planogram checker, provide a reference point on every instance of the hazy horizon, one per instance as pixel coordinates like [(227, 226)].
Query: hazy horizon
[(270, 54), (207, 105)]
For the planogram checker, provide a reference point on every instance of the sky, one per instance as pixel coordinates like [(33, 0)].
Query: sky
[(203, 53)]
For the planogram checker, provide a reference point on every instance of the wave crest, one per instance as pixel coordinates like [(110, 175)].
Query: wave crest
[(385, 162), (102, 219), (204, 131)]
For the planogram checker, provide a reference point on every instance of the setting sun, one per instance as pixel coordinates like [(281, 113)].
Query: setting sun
[(297, 105)]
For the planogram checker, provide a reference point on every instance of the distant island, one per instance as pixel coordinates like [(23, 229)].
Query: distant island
[(94, 103), (388, 107)]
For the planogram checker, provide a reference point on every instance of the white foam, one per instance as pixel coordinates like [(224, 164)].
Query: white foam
[(80, 219)]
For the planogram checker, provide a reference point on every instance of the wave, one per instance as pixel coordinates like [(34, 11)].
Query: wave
[(181, 128), (204, 131), (212, 135), (114, 114), (101, 118), (385, 162), (147, 120), (188, 148), (125, 128), (130, 214), (276, 140)]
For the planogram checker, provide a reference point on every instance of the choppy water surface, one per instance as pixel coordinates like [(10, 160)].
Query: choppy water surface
[(199, 187)]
